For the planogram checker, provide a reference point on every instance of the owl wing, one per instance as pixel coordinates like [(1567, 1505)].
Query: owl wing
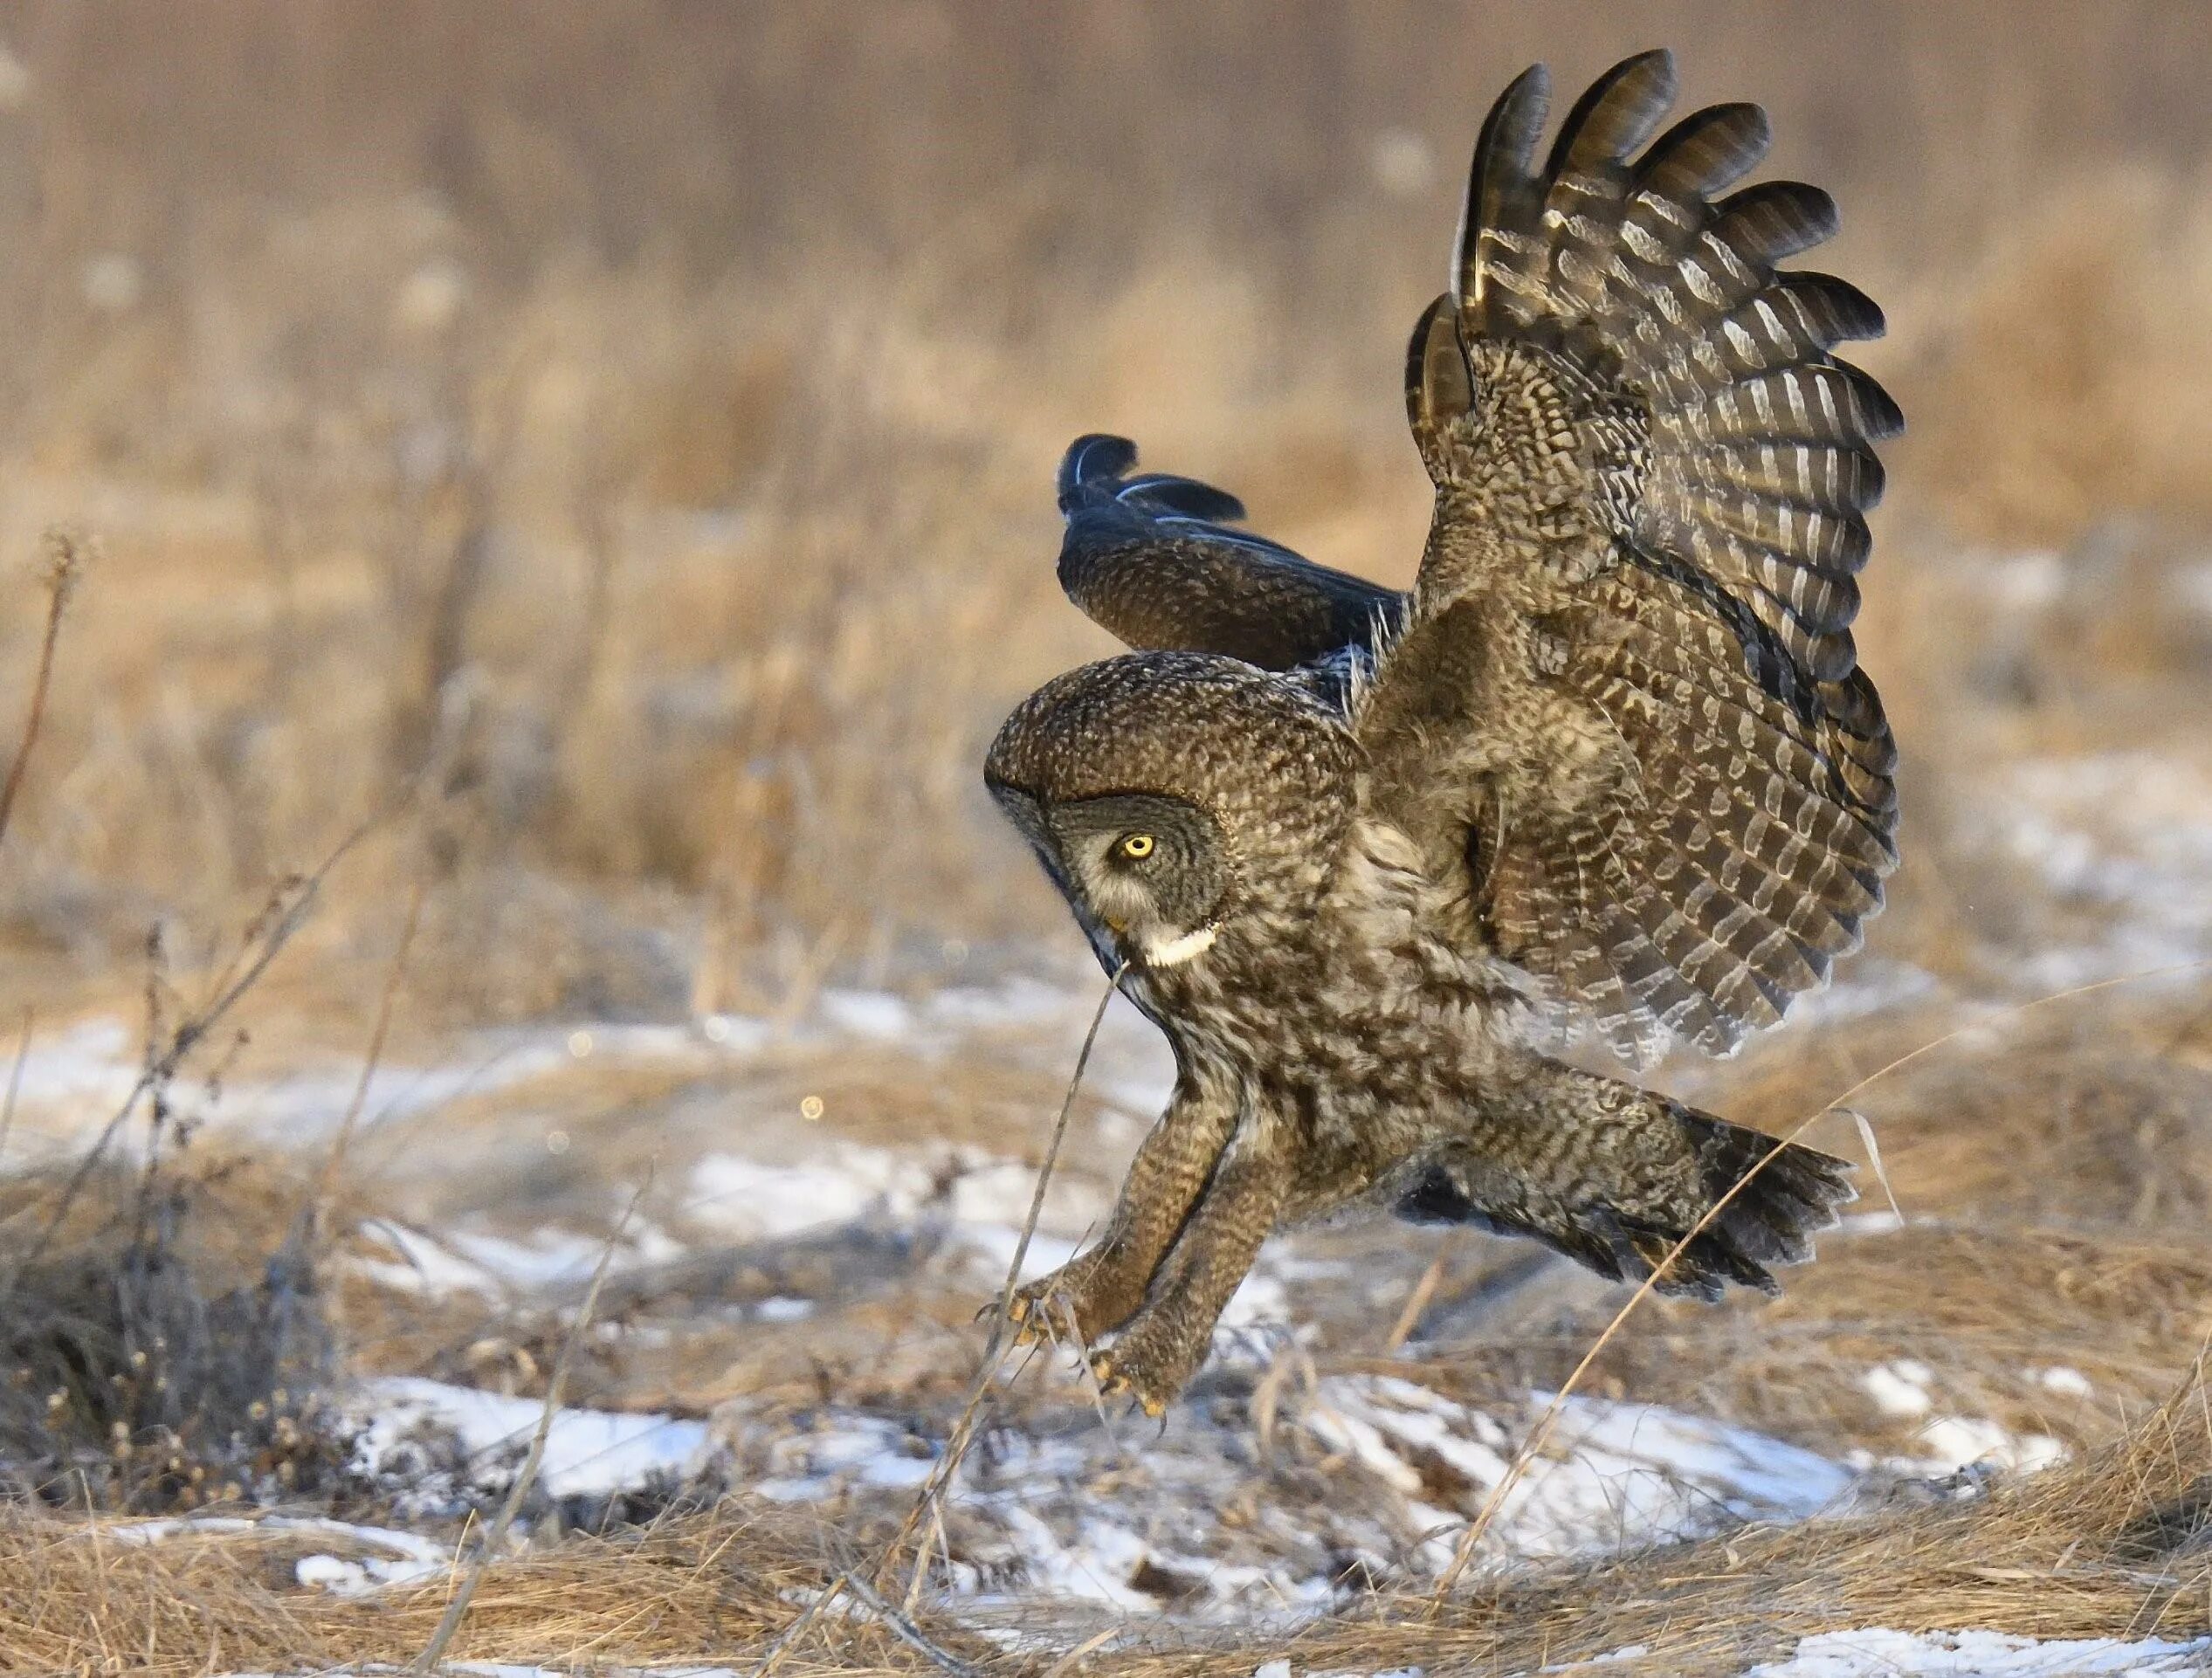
[(1625, 715), (1154, 559)]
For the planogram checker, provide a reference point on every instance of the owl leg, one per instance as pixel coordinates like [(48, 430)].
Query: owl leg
[(1164, 1343), (1100, 1290)]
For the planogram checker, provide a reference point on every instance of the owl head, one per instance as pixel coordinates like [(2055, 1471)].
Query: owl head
[(1168, 794)]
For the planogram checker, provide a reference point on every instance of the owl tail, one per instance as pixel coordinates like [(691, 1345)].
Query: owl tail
[(1615, 1178)]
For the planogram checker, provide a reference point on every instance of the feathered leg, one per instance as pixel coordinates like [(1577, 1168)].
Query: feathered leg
[(1164, 1343), (1101, 1289)]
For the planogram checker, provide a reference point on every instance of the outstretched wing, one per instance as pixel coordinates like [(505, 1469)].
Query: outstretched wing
[(1626, 713), (1155, 560)]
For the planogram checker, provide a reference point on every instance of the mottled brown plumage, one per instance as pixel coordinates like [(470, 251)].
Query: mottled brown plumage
[(1610, 767)]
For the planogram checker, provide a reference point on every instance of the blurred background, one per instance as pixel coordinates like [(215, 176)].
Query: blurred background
[(645, 415)]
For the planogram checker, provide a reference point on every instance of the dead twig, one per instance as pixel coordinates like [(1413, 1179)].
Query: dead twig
[(187, 1034), (65, 564), (495, 1535), (1417, 1301), (963, 1432), (15, 1078), (325, 1185), (905, 1630), (796, 1629)]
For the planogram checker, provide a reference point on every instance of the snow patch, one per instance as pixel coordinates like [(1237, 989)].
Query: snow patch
[(1953, 1443), (1878, 1654), (587, 1451), (2062, 1379), (1900, 1388), (1612, 1475), (1133, 1520)]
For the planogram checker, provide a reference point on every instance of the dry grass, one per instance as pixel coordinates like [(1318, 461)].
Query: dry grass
[(2114, 1546), (168, 1348)]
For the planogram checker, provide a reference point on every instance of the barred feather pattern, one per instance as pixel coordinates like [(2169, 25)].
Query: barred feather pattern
[(1655, 472)]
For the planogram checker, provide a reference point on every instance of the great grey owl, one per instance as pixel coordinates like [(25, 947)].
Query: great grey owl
[(1609, 767)]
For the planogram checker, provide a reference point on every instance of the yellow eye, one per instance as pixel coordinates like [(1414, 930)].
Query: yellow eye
[(1137, 847)]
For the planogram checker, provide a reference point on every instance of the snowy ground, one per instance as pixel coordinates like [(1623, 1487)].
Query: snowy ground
[(1274, 1491)]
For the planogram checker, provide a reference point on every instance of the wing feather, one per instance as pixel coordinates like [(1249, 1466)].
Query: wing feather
[(1626, 706), (1154, 559)]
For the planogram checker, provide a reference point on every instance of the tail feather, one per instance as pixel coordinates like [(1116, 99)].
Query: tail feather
[(1618, 1178), (1095, 474), (1092, 468), (1787, 1192)]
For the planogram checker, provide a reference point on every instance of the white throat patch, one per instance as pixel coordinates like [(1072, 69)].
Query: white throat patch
[(1173, 952)]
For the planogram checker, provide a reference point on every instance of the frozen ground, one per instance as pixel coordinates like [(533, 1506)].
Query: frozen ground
[(1878, 1653), (1871, 1654), (1275, 1490)]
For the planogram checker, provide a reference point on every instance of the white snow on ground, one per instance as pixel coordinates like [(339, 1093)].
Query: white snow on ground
[(1878, 1653), (1611, 1476), (842, 1182), (1105, 1511), (75, 1077), (1900, 1388), (1950, 1443), (587, 1451), (404, 1557), (2127, 833), (471, 1262), (2062, 1379)]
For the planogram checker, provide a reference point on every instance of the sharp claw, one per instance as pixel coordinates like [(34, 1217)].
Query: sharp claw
[(1112, 1382)]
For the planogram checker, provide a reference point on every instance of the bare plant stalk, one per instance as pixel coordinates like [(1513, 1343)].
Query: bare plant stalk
[(1540, 1434), (1417, 1301), (1866, 1139), (495, 1535), (963, 1432), (326, 1182), (187, 1035), (15, 1078), (65, 564), (791, 1633), (906, 1631)]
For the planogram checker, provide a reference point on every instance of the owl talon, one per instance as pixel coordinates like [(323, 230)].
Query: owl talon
[(1113, 1381)]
